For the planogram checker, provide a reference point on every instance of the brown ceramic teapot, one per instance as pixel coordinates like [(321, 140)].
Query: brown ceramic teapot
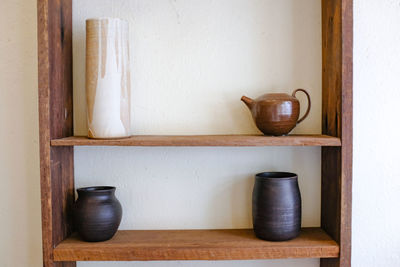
[(276, 114)]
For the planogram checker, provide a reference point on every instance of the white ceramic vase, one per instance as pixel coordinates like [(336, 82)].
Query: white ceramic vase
[(107, 78)]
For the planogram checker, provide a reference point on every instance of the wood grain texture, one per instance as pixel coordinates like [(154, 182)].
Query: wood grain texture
[(196, 245), (337, 106), (203, 140), (55, 121), (56, 164)]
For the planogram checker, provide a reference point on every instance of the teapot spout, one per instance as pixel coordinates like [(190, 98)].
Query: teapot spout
[(248, 101)]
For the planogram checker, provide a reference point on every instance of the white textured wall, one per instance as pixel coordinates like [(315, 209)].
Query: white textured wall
[(223, 173), (376, 182), (192, 61)]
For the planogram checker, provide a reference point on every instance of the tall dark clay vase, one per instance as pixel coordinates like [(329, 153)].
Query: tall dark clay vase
[(276, 206), (97, 213)]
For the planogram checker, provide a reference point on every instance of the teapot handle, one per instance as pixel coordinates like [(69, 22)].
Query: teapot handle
[(309, 103)]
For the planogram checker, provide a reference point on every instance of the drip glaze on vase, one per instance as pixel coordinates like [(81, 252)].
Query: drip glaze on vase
[(107, 78)]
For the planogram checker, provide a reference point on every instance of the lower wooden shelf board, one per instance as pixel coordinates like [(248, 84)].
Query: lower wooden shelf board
[(234, 244)]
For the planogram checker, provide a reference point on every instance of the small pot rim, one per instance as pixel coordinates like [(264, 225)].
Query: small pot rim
[(95, 189), (276, 175)]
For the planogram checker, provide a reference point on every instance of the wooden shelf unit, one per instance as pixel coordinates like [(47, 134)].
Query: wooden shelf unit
[(331, 243), (203, 140), (232, 244)]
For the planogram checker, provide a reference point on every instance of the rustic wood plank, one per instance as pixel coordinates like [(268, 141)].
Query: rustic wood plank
[(55, 121), (203, 140), (55, 104), (237, 244), (336, 195)]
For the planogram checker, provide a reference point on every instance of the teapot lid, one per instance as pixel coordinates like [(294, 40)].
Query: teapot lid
[(276, 96)]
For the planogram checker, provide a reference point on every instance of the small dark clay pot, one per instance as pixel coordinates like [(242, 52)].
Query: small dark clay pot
[(97, 213), (276, 206)]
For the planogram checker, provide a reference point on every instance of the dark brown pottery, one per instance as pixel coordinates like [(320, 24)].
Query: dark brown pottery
[(276, 114), (276, 206), (97, 213)]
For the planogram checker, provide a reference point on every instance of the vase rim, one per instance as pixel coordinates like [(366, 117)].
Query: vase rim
[(94, 19), (96, 189), (276, 175)]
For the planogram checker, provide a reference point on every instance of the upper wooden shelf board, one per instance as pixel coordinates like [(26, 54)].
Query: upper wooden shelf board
[(237, 244), (203, 140)]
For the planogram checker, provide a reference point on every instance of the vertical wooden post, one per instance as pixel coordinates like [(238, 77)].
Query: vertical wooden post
[(337, 120), (55, 121), (55, 104)]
